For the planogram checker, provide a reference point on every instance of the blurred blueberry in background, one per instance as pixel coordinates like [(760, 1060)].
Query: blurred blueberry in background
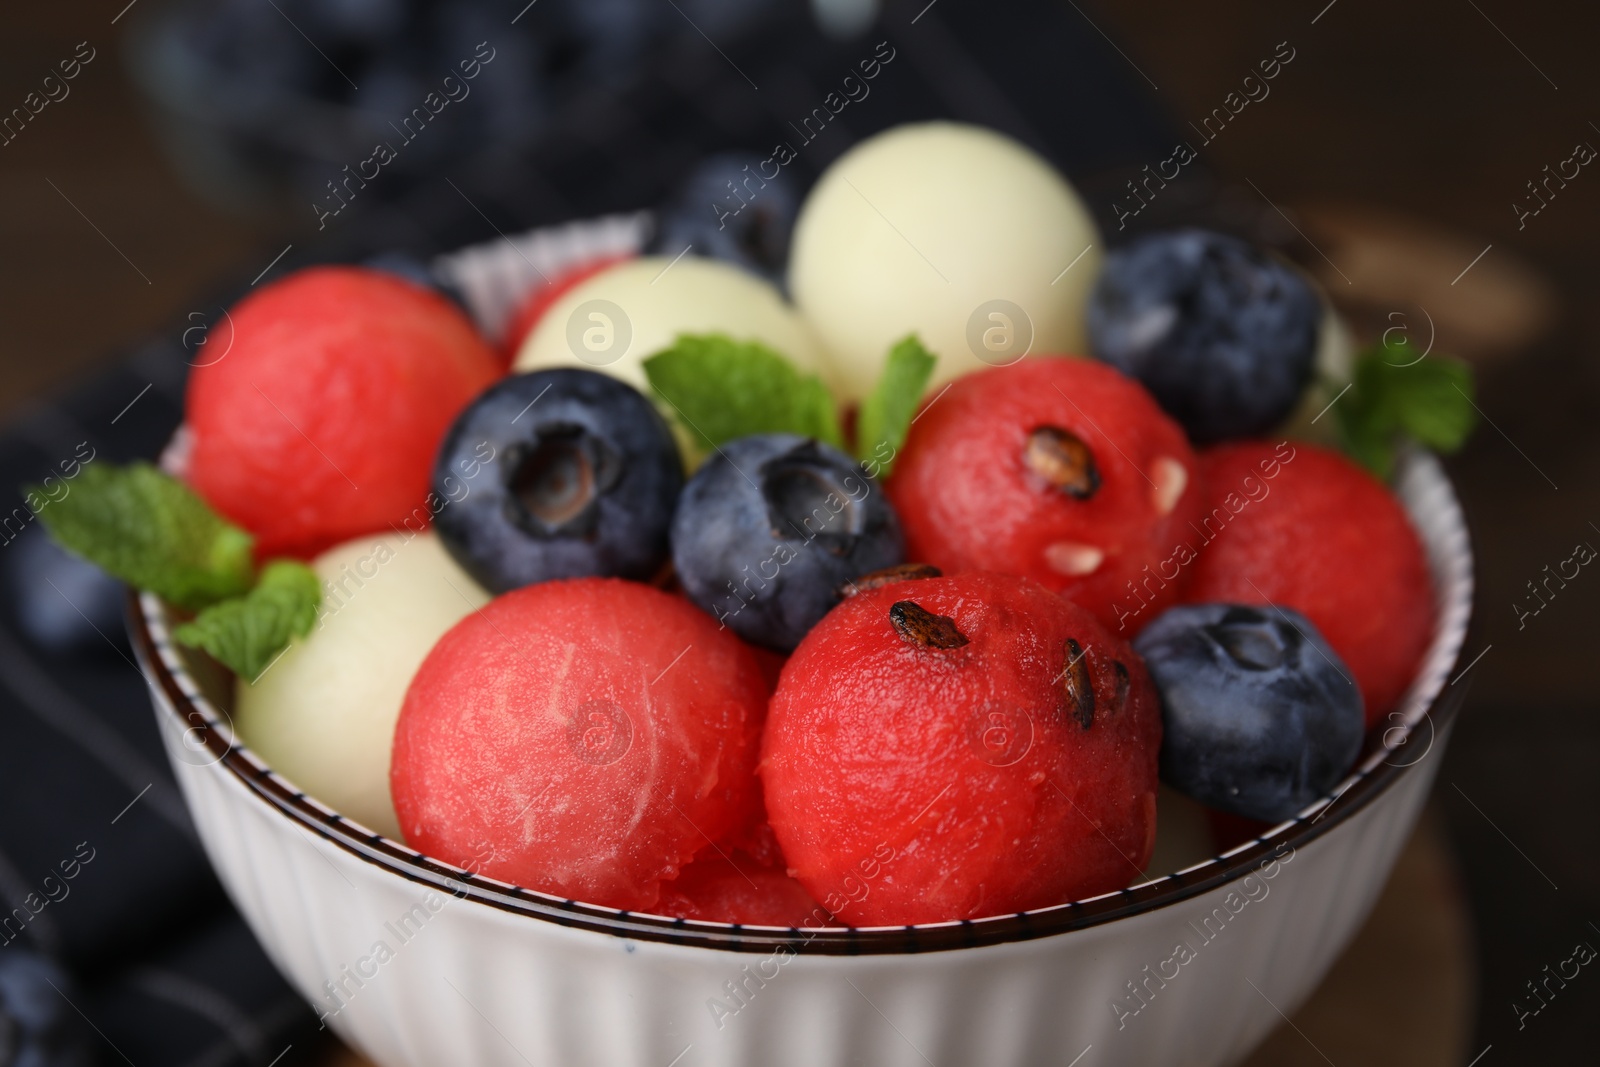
[(413, 269), (844, 18), (725, 209), (63, 604), (261, 104), (38, 1027)]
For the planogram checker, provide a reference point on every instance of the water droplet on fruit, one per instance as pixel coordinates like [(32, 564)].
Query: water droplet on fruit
[(1064, 462), (1171, 478), (1073, 558), (921, 627), (1076, 683), (900, 572)]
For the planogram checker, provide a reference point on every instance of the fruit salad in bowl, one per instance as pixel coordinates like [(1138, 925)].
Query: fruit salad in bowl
[(897, 658)]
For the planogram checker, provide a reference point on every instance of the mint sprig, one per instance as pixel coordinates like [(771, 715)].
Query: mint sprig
[(152, 531), (145, 527), (887, 413), (721, 389), (1397, 395), (247, 633)]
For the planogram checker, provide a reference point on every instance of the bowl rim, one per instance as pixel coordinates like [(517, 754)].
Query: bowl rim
[(207, 729)]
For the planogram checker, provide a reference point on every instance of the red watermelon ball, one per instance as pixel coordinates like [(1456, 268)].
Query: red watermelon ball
[(1060, 470), (950, 748), (584, 738), (324, 399), (734, 888), (543, 296), (1304, 528)]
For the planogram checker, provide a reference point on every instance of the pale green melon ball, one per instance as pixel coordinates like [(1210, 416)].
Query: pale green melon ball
[(323, 715), (945, 230), (615, 320), (1312, 419)]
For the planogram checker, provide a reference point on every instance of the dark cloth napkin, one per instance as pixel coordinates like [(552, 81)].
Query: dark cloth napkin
[(100, 868)]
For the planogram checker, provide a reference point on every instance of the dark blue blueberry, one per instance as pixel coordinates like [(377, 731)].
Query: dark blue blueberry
[(728, 208), (613, 37), (38, 1027), (1222, 334), (62, 602), (721, 19), (414, 270), (769, 529), (557, 474), (1260, 716), (347, 21)]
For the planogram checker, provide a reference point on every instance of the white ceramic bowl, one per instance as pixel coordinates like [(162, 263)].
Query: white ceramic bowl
[(420, 964)]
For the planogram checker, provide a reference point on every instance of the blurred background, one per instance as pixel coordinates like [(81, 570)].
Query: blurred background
[(190, 149)]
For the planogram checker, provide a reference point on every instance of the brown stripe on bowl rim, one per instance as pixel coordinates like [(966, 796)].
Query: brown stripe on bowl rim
[(164, 667)]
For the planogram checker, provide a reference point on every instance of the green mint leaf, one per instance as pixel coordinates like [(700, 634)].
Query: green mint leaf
[(1397, 394), (721, 389), (152, 531), (1435, 405), (1366, 442), (246, 634), (1365, 426), (886, 415)]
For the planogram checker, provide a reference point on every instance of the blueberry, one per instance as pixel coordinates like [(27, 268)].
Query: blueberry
[(1260, 716), (614, 36), (1222, 334), (351, 20), (38, 1027), (769, 529), (62, 602), (414, 270), (724, 18), (557, 474), (728, 209)]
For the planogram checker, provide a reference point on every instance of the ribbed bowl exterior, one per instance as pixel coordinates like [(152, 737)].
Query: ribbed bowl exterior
[(419, 969), (418, 978)]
